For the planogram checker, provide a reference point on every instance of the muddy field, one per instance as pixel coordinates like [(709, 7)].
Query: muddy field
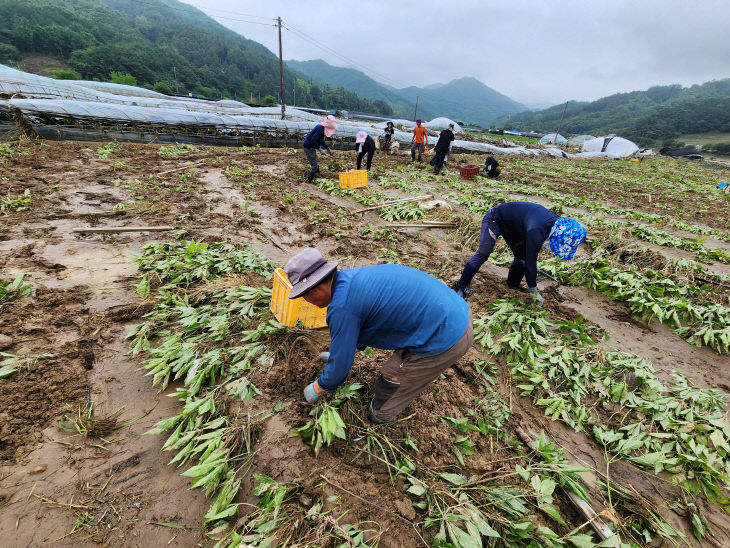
[(76, 468)]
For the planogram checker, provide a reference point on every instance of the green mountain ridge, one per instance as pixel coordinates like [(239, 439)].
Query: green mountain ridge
[(465, 99), (648, 117), (158, 42)]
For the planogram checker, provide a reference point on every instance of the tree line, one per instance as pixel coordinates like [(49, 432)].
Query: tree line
[(648, 117), (169, 46)]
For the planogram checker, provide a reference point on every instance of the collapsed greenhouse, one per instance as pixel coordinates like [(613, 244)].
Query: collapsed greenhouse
[(68, 110)]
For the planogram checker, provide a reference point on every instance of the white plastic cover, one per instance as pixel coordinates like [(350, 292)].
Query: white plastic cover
[(552, 139), (613, 147), (441, 123), (580, 139)]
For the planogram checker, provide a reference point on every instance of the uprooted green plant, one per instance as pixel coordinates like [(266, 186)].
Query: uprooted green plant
[(11, 291), (650, 294), (327, 425), (678, 428)]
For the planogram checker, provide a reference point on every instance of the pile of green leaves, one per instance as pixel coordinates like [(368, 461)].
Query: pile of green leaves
[(678, 428), (327, 424), (408, 211), (650, 294), (211, 339), (11, 291), (172, 151), (182, 263), (21, 203)]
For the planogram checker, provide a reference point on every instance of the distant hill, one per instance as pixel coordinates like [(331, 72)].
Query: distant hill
[(352, 79), (647, 117), (161, 43), (465, 99)]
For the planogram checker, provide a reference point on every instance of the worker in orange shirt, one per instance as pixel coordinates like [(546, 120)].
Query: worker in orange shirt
[(419, 140)]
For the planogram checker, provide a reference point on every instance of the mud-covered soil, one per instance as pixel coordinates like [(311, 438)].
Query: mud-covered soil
[(83, 304)]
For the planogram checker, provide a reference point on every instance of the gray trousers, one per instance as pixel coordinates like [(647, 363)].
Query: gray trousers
[(312, 159), (404, 376), (420, 147)]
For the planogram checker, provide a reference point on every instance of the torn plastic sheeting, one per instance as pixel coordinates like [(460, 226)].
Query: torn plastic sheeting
[(115, 113), (116, 89)]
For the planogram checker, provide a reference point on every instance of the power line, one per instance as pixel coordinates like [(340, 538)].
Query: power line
[(196, 12), (331, 51)]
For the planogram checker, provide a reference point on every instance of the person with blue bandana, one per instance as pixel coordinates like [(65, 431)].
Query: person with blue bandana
[(525, 227), (386, 306)]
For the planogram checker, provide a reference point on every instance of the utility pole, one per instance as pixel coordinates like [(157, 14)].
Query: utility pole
[(561, 122), (177, 89), (294, 102), (281, 71), (415, 112)]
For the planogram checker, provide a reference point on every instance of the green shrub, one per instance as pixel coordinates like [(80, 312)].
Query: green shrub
[(123, 78), (65, 74), (162, 87)]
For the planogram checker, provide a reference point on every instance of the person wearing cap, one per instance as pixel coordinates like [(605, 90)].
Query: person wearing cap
[(525, 227), (314, 141), (442, 148), (365, 145), (491, 168), (418, 141), (387, 306), (388, 135)]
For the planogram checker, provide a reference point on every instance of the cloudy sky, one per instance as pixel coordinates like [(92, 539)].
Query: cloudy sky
[(538, 52)]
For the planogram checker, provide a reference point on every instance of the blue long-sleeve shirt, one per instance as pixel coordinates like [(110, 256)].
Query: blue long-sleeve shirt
[(525, 227), (389, 307), (315, 138)]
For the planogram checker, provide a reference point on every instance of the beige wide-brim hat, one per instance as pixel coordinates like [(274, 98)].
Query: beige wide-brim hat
[(306, 270)]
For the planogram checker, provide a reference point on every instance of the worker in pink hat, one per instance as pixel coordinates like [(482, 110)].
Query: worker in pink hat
[(314, 141), (365, 145)]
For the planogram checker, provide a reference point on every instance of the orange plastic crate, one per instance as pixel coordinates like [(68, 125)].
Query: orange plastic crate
[(354, 179), (287, 311), (469, 171)]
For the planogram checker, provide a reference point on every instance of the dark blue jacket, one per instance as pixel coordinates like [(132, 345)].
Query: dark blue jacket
[(389, 306), (315, 138), (525, 227)]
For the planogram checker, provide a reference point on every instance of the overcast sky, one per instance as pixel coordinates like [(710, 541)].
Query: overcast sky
[(537, 52)]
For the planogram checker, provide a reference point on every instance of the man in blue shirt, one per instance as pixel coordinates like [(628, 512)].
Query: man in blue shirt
[(392, 307), (525, 227)]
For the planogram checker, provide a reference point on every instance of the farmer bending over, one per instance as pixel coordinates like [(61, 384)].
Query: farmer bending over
[(525, 227), (386, 306), (365, 145), (315, 141)]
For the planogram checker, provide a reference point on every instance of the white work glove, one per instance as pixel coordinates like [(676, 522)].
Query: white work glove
[(324, 356), (329, 151), (536, 295), (310, 394)]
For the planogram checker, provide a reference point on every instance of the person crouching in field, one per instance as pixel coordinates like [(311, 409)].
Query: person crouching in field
[(387, 306), (525, 227), (365, 145)]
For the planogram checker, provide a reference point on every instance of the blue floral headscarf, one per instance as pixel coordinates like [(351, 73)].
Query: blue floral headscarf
[(565, 237)]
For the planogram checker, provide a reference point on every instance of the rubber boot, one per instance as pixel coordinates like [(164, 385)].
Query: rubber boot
[(465, 279), (310, 177)]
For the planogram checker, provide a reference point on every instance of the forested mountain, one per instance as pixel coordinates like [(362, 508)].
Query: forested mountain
[(158, 42), (358, 82), (464, 99), (647, 117)]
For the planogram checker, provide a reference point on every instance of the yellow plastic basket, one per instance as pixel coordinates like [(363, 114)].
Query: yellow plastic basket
[(354, 179), (288, 311)]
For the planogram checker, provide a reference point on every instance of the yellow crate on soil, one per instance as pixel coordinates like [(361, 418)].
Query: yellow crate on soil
[(353, 179), (288, 311)]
